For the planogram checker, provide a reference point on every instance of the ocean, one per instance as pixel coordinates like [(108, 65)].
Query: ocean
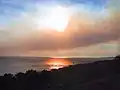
[(21, 64)]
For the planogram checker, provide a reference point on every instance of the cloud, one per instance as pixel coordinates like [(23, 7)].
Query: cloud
[(82, 36), (102, 49), (82, 31), (78, 34)]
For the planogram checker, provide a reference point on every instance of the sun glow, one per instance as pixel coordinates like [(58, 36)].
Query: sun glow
[(57, 63), (56, 19)]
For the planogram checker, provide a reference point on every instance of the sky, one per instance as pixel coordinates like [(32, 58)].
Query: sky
[(91, 28)]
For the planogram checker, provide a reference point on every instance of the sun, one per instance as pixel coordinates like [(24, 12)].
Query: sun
[(56, 19)]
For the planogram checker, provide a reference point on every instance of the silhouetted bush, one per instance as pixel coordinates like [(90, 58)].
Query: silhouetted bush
[(117, 57)]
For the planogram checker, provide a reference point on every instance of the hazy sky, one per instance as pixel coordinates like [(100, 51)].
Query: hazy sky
[(92, 29)]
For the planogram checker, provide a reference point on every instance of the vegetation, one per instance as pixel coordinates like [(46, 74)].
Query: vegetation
[(100, 75)]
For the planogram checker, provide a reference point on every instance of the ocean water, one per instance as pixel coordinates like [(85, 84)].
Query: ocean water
[(21, 64)]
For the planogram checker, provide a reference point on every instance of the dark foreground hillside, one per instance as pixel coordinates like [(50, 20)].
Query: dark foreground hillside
[(100, 75)]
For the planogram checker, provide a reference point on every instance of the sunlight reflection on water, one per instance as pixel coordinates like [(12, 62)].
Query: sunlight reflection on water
[(56, 63)]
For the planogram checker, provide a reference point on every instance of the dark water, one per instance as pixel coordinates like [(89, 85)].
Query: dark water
[(21, 64)]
